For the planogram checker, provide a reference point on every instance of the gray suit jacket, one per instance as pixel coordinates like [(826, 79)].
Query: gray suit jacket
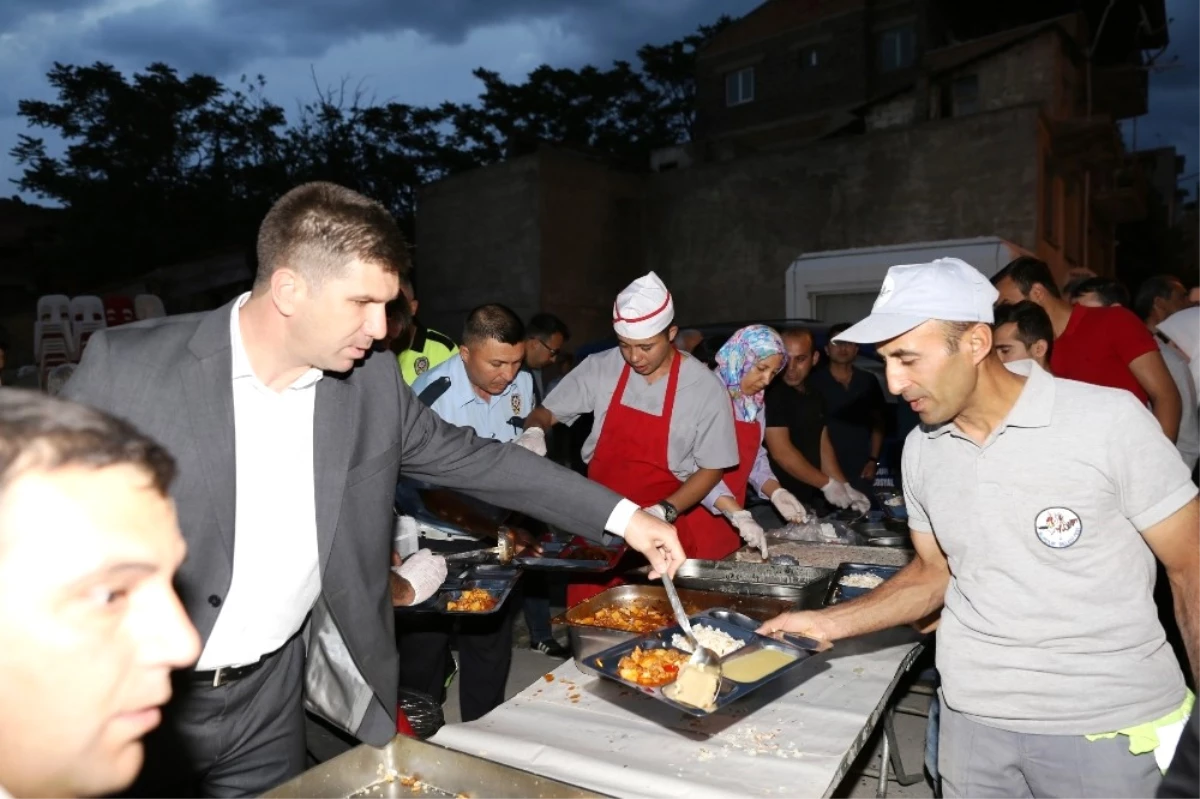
[(172, 378)]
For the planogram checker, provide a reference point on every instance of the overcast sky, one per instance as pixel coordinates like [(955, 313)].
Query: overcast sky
[(419, 52)]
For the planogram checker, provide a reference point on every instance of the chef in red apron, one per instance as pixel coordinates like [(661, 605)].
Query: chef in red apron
[(746, 364), (663, 434)]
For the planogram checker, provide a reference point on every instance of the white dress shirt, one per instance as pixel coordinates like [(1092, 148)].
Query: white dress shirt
[(276, 575)]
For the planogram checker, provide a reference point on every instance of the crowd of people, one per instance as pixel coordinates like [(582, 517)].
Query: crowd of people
[(254, 457)]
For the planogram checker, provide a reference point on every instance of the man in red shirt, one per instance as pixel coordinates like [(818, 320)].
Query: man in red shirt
[(1102, 346)]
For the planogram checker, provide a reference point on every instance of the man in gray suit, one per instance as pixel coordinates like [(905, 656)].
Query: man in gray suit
[(290, 436)]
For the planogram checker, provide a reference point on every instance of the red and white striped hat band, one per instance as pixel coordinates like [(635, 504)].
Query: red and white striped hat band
[(643, 309)]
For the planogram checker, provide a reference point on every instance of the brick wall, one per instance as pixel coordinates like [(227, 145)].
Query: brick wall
[(723, 235)]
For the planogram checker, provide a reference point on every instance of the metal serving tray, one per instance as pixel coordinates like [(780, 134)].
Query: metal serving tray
[(587, 640), (497, 580), (734, 624), (365, 771), (803, 585), (840, 593), (897, 511), (566, 556)]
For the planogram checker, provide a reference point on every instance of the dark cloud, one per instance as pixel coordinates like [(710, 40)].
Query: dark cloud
[(13, 12), (1174, 117)]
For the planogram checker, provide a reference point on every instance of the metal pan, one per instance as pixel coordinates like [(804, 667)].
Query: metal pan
[(804, 585), (899, 541), (573, 557), (587, 640), (606, 663), (379, 772), (498, 580), (840, 593)]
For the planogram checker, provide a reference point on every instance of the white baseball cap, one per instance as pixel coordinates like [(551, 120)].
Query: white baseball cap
[(948, 289), (643, 309)]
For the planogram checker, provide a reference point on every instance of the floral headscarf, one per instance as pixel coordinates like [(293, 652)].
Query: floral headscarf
[(738, 356)]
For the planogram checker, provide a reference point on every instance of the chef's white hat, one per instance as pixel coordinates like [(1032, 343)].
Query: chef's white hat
[(643, 309)]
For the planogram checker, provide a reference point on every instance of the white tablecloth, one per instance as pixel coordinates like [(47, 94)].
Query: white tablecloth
[(794, 737)]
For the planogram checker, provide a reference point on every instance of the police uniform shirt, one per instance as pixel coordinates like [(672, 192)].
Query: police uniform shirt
[(701, 434), (1050, 625), (460, 404), (429, 348)]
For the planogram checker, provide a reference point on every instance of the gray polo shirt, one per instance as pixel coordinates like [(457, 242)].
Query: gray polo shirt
[(701, 433), (1050, 625)]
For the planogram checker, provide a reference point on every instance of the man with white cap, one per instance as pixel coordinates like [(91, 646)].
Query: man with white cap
[(1037, 507), (666, 438)]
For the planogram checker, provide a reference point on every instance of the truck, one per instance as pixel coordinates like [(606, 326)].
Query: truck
[(841, 285)]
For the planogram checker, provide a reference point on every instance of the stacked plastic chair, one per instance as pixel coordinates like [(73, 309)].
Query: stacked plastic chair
[(53, 340), (148, 306), (87, 316), (118, 310)]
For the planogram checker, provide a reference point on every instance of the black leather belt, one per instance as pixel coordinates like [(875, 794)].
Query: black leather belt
[(227, 674)]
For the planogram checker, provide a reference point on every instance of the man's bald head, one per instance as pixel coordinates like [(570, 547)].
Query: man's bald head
[(801, 347)]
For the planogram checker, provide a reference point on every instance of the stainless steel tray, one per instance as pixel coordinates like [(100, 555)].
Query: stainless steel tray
[(896, 509), (560, 556), (496, 579), (740, 627), (803, 585), (365, 771), (587, 640), (840, 593)]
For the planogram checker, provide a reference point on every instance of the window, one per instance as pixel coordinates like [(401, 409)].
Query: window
[(965, 91), (810, 57), (739, 86), (897, 48)]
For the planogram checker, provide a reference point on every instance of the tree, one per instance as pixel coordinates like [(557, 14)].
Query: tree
[(155, 169), (669, 71)]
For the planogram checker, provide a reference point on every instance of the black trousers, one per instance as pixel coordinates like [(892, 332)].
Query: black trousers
[(484, 655), (240, 739)]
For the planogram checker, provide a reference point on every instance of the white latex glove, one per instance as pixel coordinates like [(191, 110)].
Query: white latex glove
[(534, 440), (858, 500), (836, 494), (749, 530), (657, 512), (790, 508), (425, 572)]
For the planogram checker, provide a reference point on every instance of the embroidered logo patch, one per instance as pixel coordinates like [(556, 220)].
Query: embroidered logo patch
[(885, 292), (421, 365), (1058, 527), (516, 403)]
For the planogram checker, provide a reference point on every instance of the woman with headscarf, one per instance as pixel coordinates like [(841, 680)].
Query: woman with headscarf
[(746, 365)]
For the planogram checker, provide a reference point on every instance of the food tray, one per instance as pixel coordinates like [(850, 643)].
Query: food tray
[(587, 640), (427, 768), (840, 593), (565, 556), (803, 585), (896, 511), (496, 579), (736, 625)]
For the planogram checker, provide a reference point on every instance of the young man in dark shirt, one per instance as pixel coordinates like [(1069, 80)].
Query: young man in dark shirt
[(854, 408), (798, 444)]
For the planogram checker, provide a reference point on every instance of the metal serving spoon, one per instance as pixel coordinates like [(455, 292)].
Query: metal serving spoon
[(701, 658)]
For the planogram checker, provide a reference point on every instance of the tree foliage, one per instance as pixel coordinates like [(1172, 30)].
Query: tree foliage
[(157, 168)]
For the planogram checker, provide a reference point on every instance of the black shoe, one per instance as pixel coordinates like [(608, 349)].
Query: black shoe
[(552, 648)]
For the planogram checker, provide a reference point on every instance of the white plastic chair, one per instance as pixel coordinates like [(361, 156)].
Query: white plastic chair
[(54, 308), (87, 316), (148, 306)]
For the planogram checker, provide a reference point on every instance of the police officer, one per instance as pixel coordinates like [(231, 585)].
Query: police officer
[(481, 387), (425, 348)]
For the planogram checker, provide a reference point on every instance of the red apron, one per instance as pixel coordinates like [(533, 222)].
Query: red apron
[(631, 459)]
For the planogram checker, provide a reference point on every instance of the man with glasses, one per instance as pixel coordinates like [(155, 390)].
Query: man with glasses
[(545, 336)]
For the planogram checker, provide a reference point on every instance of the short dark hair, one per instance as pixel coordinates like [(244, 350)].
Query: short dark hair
[(42, 433), (544, 325), (493, 322), (1110, 292), (319, 228), (838, 329), (1032, 321), (953, 333), (1153, 288), (1025, 271), (798, 331)]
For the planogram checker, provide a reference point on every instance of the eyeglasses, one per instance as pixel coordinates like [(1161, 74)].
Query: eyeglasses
[(554, 353)]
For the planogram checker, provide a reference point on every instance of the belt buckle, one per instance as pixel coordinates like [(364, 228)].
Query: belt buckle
[(217, 674)]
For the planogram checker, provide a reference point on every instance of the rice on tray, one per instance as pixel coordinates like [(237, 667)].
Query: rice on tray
[(719, 641)]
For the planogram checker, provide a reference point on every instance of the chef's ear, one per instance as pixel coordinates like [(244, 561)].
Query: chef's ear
[(672, 332)]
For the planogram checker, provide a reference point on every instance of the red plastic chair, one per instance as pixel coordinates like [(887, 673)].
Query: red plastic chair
[(118, 310)]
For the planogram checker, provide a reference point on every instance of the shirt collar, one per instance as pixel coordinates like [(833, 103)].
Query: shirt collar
[(460, 384), (1034, 406), (241, 361)]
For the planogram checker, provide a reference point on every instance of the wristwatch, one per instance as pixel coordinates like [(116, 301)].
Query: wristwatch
[(670, 512)]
